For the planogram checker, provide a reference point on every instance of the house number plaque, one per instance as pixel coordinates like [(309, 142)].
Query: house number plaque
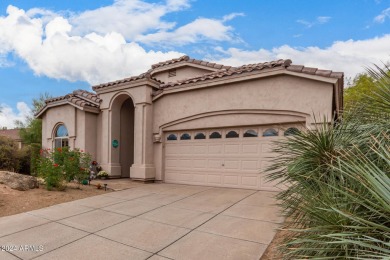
[(115, 143)]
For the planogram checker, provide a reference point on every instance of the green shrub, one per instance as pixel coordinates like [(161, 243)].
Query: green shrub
[(8, 154), (338, 198), (63, 165)]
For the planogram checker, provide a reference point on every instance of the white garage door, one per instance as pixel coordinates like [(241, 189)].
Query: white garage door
[(221, 157)]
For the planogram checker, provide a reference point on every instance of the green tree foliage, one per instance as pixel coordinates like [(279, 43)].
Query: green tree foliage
[(338, 198), (363, 85), (31, 131), (12, 158)]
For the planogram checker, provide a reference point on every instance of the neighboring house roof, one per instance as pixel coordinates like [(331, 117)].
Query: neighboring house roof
[(11, 133), (84, 99), (81, 99)]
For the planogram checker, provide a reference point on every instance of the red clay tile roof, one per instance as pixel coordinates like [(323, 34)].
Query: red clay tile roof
[(145, 75), (81, 98), (189, 60), (11, 133), (229, 72), (255, 67)]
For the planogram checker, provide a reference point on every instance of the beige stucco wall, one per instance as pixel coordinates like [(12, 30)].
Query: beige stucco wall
[(181, 73), (81, 127), (286, 93)]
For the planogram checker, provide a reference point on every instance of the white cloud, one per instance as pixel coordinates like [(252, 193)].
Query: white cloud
[(8, 115), (50, 50), (317, 21), (198, 30), (382, 16), (101, 45), (350, 57)]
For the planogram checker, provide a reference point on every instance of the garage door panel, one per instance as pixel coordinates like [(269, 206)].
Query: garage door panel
[(250, 148), (225, 162), (200, 149), (231, 180), (231, 164), (215, 148), (214, 179), (232, 148), (250, 165), (215, 163), (200, 164)]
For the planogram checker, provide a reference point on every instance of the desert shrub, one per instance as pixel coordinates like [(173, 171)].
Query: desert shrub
[(8, 154), (63, 165), (338, 196), (23, 157)]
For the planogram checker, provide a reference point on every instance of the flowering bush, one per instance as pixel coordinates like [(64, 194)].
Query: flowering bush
[(102, 174), (63, 165)]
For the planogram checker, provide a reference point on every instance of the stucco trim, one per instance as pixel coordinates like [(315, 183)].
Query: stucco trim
[(300, 115), (65, 102), (182, 64), (126, 85)]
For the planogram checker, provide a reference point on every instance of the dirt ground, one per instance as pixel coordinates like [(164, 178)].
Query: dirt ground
[(14, 201)]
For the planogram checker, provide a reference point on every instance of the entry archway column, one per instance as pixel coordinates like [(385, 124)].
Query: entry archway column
[(143, 167)]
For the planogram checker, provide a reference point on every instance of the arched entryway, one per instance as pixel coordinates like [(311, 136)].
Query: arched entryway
[(126, 153), (122, 134)]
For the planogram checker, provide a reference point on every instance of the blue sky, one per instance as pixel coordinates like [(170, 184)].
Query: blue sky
[(60, 46)]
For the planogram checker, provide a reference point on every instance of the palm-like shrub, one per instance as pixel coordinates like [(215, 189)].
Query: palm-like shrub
[(338, 198)]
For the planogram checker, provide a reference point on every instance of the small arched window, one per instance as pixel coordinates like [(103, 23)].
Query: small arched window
[(185, 137), (291, 131), (250, 133), (270, 132), (172, 137), (61, 137), (200, 136), (232, 134), (215, 135)]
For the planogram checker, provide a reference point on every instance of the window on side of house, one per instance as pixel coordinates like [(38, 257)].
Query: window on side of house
[(200, 136), (270, 132), (250, 133), (172, 137), (185, 136), (61, 138), (215, 135), (291, 131), (232, 134)]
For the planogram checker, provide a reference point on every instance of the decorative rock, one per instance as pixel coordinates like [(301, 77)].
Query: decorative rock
[(18, 181)]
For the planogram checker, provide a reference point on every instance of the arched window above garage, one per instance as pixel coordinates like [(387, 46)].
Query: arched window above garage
[(232, 134), (61, 136), (200, 136), (215, 135), (291, 131), (270, 132), (185, 136), (172, 137), (250, 133)]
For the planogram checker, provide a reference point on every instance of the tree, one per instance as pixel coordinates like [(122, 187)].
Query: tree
[(362, 86), (31, 131)]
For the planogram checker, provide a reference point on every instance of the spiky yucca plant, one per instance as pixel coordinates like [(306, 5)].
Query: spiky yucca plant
[(338, 198)]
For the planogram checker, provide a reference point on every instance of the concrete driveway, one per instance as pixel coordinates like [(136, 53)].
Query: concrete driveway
[(151, 221)]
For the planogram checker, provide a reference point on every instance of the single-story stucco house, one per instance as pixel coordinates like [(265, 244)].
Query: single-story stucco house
[(13, 134), (193, 122)]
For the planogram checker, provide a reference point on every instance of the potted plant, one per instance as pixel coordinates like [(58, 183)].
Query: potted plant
[(102, 175)]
